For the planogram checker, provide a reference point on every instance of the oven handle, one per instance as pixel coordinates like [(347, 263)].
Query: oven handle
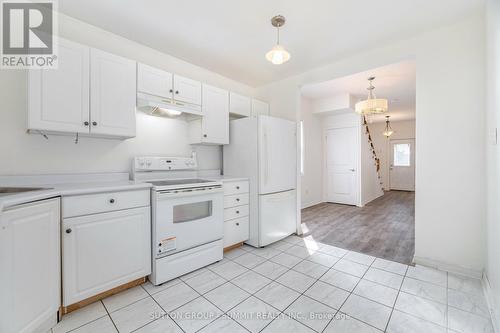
[(189, 192)]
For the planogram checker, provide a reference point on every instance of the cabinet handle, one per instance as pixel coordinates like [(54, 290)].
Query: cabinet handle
[(112, 201), (237, 187), (94, 123), (171, 91), (237, 212), (177, 92), (204, 135), (237, 199), (237, 223), (86, 123), (68, 231)]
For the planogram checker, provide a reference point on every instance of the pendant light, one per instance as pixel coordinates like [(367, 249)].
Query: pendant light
[(278, 55), (388, 129), (372, 104)]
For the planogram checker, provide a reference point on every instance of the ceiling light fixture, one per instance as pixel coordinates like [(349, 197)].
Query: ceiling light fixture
[(388, 130), (372, 104), (278, 55)]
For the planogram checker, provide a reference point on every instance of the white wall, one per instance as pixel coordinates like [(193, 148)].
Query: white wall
[(402, 130), (312, 179), (29, 154), (493, 154), (450, 197)]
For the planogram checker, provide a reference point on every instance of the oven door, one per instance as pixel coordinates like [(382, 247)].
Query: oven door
[(187, 218)]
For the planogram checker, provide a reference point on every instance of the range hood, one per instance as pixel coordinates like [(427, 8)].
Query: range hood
[(165, 107)]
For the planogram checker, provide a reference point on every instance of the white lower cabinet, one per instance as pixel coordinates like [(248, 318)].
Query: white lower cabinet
[(236, 212), (105, 250), (30, 277)]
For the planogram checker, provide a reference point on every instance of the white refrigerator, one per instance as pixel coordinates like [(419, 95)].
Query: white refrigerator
[(264, 149)]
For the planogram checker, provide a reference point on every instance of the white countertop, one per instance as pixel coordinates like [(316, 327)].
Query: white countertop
[(58, 190)]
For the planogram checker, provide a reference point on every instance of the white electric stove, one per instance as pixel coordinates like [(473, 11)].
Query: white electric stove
[(187, 216)]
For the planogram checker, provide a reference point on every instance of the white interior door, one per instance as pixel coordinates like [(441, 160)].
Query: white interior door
[(341, 163), (277, 155), (402, 165)]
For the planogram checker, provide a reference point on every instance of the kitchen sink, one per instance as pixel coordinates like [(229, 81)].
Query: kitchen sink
[(16, 190)]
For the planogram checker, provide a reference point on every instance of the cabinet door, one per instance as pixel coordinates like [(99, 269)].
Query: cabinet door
[(259, 108), (30, 267), (187, 90), (239, 105), (154, 81), (103, 251), (215, 109), (58, 99), (112, 94)]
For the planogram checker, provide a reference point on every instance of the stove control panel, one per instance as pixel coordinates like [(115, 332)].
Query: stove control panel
[(145, 163)]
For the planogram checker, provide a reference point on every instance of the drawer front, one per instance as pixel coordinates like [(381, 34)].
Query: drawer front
[(235, 212), (235, 200), (104, 202), (235, 187), (236, 231)]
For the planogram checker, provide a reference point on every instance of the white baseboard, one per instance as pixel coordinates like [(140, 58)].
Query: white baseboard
[(488, 294), (456, 269), (310, 204)]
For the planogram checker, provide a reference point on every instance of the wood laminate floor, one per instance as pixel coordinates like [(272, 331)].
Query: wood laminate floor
[(384, 228)]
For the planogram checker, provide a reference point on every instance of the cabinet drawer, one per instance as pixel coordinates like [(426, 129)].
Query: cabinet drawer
[(235, 212), (235, 187), (236, 231), (104, 202), (235, 200)]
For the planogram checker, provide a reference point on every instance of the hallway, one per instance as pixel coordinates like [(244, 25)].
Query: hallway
[(384, 228)]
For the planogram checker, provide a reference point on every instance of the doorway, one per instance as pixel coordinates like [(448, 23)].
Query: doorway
[(341, 165), (357, 179), (402, 165)]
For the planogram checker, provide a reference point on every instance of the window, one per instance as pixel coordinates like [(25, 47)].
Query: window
[(401, 154), (192, 211), (302, 147)]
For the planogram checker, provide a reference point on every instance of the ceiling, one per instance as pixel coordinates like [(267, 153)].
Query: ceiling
[(231, 37), (394, 82)]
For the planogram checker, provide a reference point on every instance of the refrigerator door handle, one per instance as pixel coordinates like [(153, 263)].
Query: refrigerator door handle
[(266, 154)]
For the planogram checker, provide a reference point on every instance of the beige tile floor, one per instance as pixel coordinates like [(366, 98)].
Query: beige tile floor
[(295, 285)]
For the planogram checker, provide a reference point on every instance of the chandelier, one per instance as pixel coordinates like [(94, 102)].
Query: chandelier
[(372, 104), (388, 130)]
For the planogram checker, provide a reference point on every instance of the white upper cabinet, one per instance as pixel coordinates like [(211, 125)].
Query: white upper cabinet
[(259, 108), (112, 94), (154, 81), (91, 92), (213, 127), (58, 99), (187, 90), (239, 105)]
